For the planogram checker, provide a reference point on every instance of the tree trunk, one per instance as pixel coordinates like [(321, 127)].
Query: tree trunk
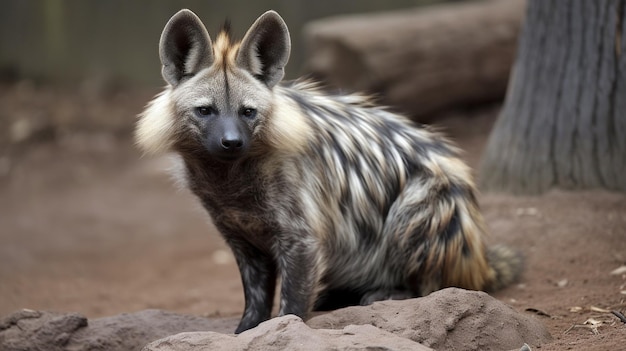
[(420, 60), (563, 123)]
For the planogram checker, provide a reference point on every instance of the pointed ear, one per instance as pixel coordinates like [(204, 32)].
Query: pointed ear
[(185, 47), (265, 49)]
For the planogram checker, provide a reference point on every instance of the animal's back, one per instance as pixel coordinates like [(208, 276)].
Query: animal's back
[(391, 200)]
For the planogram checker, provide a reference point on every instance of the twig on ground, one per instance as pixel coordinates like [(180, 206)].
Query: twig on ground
[(538, 312), (598, 309), (590, 324), (620, 316)]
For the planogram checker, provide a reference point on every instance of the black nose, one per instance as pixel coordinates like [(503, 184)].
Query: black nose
[(231, 144)]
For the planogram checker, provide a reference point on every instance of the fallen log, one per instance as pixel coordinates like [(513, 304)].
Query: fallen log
[(421, 60)]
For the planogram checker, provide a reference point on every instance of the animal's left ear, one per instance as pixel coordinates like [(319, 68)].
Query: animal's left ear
[(265, 48)]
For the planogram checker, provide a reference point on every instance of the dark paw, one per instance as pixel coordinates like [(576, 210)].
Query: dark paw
[(245, 325), (337, 298)]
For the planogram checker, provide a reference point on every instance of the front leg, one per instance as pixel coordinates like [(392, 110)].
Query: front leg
[(299, 277), (258, 276)]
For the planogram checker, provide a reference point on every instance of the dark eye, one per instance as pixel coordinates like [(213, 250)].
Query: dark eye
[(206, 111), (248, 112)]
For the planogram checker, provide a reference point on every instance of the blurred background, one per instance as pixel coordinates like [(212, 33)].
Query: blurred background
[(70, 41)]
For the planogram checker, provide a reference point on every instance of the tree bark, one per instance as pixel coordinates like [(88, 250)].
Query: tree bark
[(420, 60), (563, 123)]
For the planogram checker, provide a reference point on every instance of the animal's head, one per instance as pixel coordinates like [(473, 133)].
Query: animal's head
[(219, 93)]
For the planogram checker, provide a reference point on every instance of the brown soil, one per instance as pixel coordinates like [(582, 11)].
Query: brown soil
[(88, 225)]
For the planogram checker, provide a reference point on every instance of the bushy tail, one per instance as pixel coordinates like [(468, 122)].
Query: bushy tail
[(508, 265)]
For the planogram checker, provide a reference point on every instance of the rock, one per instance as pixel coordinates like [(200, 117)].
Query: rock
[(48, 331), (449, 319), (36, 330), (288, 333)]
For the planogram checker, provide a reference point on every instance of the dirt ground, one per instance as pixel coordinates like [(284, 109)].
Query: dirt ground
[(88, 225)]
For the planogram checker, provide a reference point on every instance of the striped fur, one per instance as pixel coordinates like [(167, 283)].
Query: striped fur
[(342, 200)]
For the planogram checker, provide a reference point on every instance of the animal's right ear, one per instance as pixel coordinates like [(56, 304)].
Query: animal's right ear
[(185, 47)]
